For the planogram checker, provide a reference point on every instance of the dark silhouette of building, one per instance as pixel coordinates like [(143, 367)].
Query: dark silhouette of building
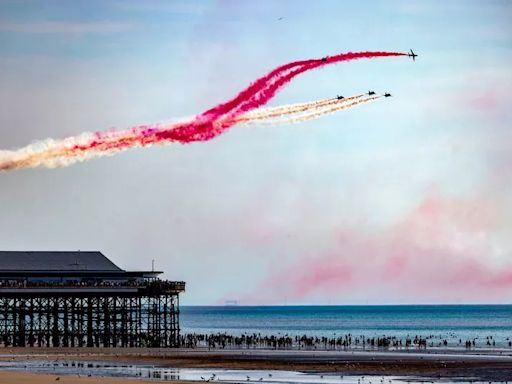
[(82, 299)]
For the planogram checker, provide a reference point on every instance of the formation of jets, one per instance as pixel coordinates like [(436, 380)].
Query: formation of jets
[(371, 93)]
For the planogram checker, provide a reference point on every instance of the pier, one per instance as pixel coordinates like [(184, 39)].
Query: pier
[(82, 299)]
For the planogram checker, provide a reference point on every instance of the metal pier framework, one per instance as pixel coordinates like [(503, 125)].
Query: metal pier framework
[(82, 299)]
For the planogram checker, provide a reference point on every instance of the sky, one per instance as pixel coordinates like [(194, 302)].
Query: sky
[(406, 200)]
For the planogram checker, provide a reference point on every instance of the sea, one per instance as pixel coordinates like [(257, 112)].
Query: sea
[(453, 323)]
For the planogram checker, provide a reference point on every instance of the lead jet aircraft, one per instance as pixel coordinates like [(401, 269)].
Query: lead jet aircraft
[(413, 55)]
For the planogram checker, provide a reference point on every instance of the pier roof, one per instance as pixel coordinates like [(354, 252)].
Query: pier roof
[(73, 261)]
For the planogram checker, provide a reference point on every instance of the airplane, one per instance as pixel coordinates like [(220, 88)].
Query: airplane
[(387, 94), (338, 97), (413, 55), (371, 93)]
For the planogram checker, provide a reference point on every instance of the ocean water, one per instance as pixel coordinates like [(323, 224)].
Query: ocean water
[(450, 322)]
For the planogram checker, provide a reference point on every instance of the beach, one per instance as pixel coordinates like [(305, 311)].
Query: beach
[(487, 365), (8, 377), (434, 343)]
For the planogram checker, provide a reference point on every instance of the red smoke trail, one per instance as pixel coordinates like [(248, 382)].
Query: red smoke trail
[(257, 94), (208, 125), (303, 65), (205, 126)]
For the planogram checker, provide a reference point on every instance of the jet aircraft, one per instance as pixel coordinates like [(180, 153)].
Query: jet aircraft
[(413, 55)]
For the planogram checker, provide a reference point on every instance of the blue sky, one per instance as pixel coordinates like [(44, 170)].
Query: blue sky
[(237, 213)]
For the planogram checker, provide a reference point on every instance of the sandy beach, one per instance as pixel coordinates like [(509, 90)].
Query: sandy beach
[(491, 366), (7, 377)]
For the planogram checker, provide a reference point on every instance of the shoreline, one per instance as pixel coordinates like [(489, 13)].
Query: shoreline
[(441, 364)]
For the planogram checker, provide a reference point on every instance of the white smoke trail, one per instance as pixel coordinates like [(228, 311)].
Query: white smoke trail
[(52, 153), (309, 114), (269, 112)]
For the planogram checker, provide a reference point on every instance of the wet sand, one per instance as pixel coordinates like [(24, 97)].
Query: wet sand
[(487, 365), (7, 377)]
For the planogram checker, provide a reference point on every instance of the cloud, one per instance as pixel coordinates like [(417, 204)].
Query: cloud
[(441, 252), (62, 27)]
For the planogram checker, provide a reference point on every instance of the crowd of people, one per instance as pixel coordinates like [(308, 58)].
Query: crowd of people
[(347, 341), (153, 284), (69, 283)]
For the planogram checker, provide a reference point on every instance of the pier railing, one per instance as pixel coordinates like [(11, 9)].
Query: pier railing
[(149, 286)]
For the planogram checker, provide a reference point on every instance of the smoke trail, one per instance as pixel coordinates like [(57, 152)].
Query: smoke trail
[(256, 95), (51, 153), (325, 111), (266, 113), (298, 116), (209, 124), (261, 90)]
